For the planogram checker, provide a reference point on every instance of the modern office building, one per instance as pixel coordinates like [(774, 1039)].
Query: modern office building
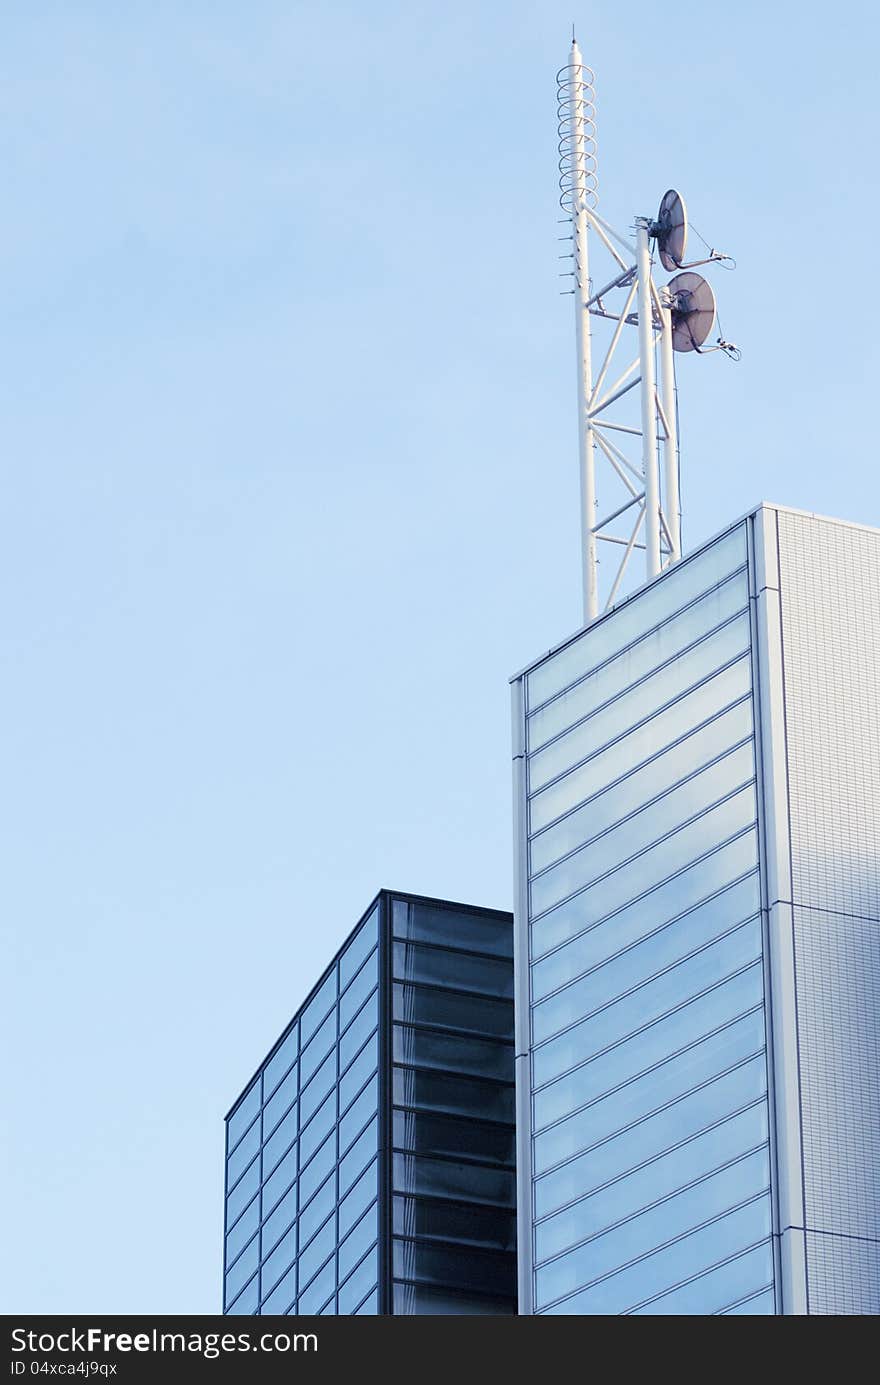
[(697, 937), (370, 1161)]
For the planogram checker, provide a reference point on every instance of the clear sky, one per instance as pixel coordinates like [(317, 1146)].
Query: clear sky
[(289, 490)]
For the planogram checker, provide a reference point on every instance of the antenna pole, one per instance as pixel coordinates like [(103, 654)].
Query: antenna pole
[(671, 496), (579, 228), (650, 468)]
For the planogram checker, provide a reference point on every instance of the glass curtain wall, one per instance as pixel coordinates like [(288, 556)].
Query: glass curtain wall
[(370, 1163), (301, 1165), (650, 1154), (453, 1137)]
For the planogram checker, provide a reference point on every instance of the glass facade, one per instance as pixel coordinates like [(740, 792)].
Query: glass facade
[(369, 1163), (453, 1133), (646, 1076)]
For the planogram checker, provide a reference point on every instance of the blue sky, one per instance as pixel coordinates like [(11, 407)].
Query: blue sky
[(289, 490)]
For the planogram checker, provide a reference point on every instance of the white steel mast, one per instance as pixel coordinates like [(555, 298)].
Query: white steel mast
[(644, 514)]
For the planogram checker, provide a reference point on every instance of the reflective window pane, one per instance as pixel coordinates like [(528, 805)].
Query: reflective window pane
[(280, 1103), (247, 1300), (712, 1291), (358, 1200), (450, 1221), (449, 1010), (696, 890), (358, 1156), (242, 1193), (440, 1135), (625, 841), (649, 1002), (319, 1248), (427, 923), (243, 1230), (314, 1013), (439, 1178), (321, 1123), (243, 1114), (356, 1075), (278, 1182), (358, 1241), (318, 1088), (653, 954), (442, 1092), (282, 1295), (634, 663), (459, 1267), (661, 1086), (279, 1143), (658, 1177), (616, 718), (658, 863), (453, 970), (645, 1049), (370, 1306), (239, 1273), (614, 803), (282, 1059), (277, 1224), (280, 1261), (365, 982), (318, 1291), (359, 948), (314, 1173), (425, 1049), (316, 1212), (358, 1114), (242, 1154), (661, 1225), (362, 1025), (359, 1284), (640, 745), (673, 1263), (653, 606), (319, 1045)]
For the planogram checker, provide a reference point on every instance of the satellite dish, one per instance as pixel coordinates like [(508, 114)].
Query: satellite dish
[(693, 311), (671, 230)]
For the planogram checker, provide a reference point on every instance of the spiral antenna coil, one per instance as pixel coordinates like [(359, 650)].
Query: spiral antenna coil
[(576, 117)]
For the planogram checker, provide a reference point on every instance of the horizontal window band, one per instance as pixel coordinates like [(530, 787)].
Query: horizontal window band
[(651, 759), (454, 1290), (647, 981), (645, 937), (644, 721), (694, 1278), (646, 894), (652, 1207), (649, 1115), (447, 1033), (646, 1164), (675, 1009), (741, 1302), (466, 1120), (736, 1207), (627, 688), (628, 861), (464, 1076), (241, 1291), (637, 639), (459, 952), (709, 764)]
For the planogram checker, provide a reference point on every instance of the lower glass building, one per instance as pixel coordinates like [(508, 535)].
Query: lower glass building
[(697, 839), (370, 1161)]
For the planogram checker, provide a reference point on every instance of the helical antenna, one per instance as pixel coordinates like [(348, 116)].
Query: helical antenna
[(576, 116)]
